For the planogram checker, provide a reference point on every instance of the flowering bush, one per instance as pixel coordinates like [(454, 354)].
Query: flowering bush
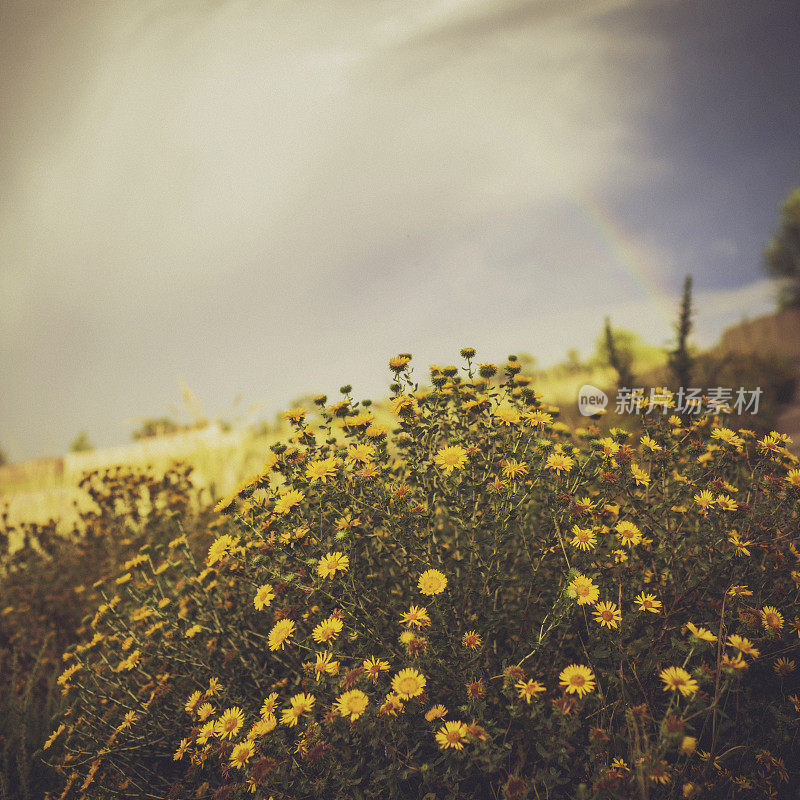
[(479, 603)]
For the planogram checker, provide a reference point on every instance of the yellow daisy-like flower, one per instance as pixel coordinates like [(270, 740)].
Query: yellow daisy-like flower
[(262, 726), (374, 667), (726, 503), (332, 563), (281, 632), (793, 478), (264, 596), (205, 711), (529, 689), (299, 704), (628, 533), (194, 699), (639, 475), (452, 734), (703, 634), (584, 589), (735, 662), (771, 618), (677, 679), (784, 666), (583, 538), (435, 712), (514, 469), (321, 470), (559, 462), (325, 666), (295, 415), (739, 591), (361, 453), (287, 500), (728, 436), (206, 732), (241, 753), (450, 458), (214, 687), (704, 499), (648, 602), (408, 683), (577, 679), (269, 706), (471, 640), (351, 704), (744, 645), (506, 415), (608, 615), (416, 616), (328, 629), (230, 723), (181, 751), (392, 706), (432, 582), (220, 548), (537, 418)]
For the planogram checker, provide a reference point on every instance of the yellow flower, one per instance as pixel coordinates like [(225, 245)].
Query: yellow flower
[(793, 478), (743, 644), (450, 458), (608, 615), (392, 705), (506, 415), (206, 732), (264, 596), (628, 533), (416, 616), (230, 723), (214, 687), (639, 475), (559, 462), (269, 706), (452, 734), (360, 453), (471, 640), (704, 499), (738, 544), (577, 679), (220, 548), (728, 436), (332, 563), (537, 418), (726, 503), (374, 667), (191, 703), (678, 679), (281, 632), (351, 704), (261, 727), (408, 683), (771, 618), (321, 470), (739, 591), (181, 751), (583, 538), (241, 753), (205, 711), (735, 662), (703, 634), (435, 712), (432, 582), (584, 589), (648, 602), (514, 469), (528, 689), (287, 500), (295, 415), (328, 629), (324, 666), (300, 704)]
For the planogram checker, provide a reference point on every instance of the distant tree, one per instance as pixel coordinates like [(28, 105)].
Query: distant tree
[(81, 443), (150, 428), (615, 349), (573, 362), (782, 254), (680, 359), (3, 459)]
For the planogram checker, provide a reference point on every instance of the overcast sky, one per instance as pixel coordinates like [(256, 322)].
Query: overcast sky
[(271, 198)]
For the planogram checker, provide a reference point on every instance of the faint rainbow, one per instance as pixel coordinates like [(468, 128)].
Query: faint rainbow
[(630, 256)]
